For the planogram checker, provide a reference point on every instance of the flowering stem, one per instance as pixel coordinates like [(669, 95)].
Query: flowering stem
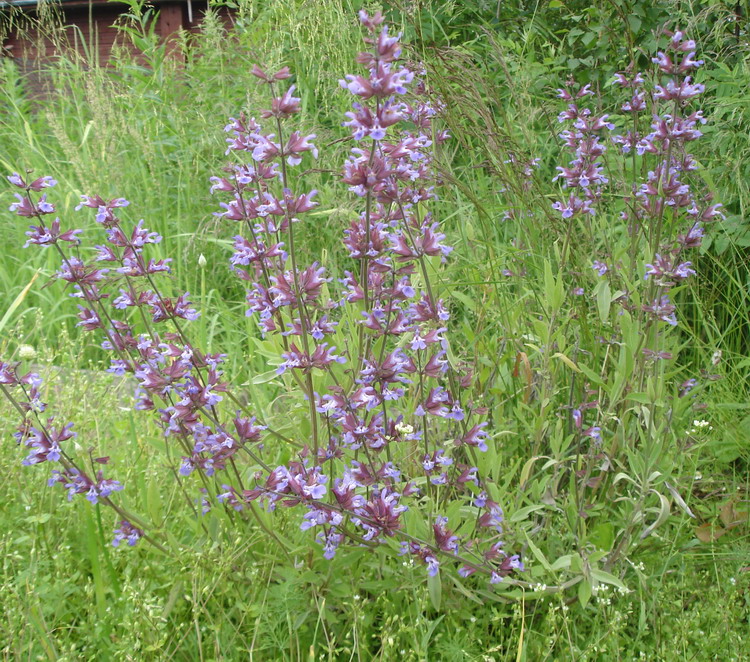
[(304, 320)]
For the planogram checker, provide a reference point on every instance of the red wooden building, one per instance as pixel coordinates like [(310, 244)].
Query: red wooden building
[(88, 27)]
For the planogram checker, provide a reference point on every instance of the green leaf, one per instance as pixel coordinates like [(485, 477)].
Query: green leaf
[(602, 536), (553, 288), (567, 361), (634, 22), (153, 499), (592, 375), (92, 547), (606, 578), (603, 300), (522, 513), (465, 592), (584, 592), (643, 398), (427, 637), (538, 554), (39, 519), (265, 377), (435, 589), (17, 301), (563, 563), (588, 38), (662, 517), (470, 302)]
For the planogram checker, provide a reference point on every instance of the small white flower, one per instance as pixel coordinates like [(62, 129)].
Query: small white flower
[(404, 428), (202, 262), (26, 352)]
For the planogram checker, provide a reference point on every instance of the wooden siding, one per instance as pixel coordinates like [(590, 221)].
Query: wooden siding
[(90, 31)]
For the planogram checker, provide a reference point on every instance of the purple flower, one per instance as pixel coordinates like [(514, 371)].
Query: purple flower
[(573, 207), (433, 565), (594, 433), (37, 185), (687, 386), (330, 542), (652, 355), (381, 515), (164, 309), (493, 517), (104, 210), (662, 309), (600, 267), (75, 271), (127, 532), (321, 358), (283, 106), (663, 270), (296, 145), (476, 437), (25, 207), (89, 319), (444, 537)]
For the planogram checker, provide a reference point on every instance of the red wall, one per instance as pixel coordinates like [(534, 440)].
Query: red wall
[(90, 31)]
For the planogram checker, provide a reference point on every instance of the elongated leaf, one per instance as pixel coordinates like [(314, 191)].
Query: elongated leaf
[(679, 500), (603, 301), (661, 517), (584, 592), (17, 301), (538, 554), (563, 563), (522, 513), (265, 377), (568, 362), (607, 578), (435, 589)]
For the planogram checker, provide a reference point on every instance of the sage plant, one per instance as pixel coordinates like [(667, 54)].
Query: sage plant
[(664, 215), (393, 426), (391, 392)]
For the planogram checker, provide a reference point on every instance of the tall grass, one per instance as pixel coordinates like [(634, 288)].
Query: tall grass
[(155, 124)]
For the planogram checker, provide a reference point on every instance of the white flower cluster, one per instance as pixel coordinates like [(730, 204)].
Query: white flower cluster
[(699, 426)]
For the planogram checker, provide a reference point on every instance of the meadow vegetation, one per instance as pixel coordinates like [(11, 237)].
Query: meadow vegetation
[(532, 439)]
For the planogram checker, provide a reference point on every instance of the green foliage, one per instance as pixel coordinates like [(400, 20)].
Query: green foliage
[(642, 536)]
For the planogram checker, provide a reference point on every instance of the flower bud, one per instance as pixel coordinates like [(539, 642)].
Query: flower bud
[(202, 261)]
